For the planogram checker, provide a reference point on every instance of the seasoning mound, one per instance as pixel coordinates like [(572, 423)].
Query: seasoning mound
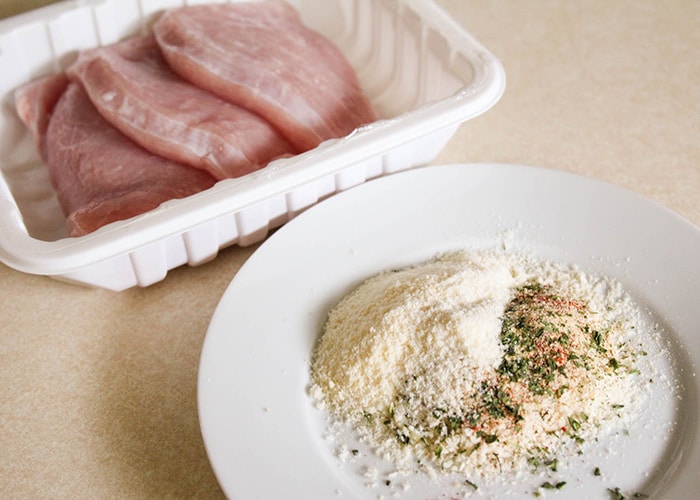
[(479, 362)]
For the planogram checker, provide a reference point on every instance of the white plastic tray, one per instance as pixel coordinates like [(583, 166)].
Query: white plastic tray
[(425, 74)]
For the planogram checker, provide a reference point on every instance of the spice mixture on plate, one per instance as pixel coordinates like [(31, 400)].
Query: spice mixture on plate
[(479, 362)]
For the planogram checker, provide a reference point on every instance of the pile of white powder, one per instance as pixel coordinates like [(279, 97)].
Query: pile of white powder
[(429, 363)]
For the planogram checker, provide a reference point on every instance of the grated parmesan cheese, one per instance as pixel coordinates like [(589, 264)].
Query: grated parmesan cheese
[(479, 362)]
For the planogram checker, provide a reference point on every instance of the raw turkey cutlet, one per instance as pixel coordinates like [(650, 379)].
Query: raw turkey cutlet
[(260, 56), (216, 91), (136, 91), (35, 102), (100, 175)]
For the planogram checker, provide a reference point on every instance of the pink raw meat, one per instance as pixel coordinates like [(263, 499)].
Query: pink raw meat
[(135, 90), (35, 102), (260, 56), (100, 175)]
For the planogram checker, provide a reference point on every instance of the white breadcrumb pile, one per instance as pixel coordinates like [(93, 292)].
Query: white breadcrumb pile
[(479, 362)]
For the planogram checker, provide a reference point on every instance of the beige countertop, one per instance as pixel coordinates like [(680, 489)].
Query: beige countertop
[(98, 389)]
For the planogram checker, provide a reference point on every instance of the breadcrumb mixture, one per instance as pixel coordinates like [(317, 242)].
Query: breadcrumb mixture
[(479, 362)]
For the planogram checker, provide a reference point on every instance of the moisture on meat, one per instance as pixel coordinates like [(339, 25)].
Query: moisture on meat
[(100, 175), (136, 91), (260, 56)]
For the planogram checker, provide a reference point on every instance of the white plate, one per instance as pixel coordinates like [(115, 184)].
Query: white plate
[(263, 435)]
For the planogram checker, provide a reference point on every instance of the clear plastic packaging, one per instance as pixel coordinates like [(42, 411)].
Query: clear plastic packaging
[(425, 74)]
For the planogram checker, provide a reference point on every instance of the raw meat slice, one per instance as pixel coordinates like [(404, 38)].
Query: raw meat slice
[(100, 175), (260, 56), (135, 90), (35, 102)]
